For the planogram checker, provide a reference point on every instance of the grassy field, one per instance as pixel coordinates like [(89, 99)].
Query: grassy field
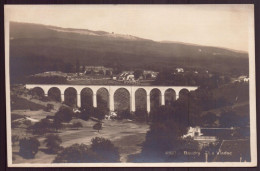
[(126, 135)]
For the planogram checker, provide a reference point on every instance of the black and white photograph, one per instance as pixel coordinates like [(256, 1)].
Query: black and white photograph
[(130, 85)]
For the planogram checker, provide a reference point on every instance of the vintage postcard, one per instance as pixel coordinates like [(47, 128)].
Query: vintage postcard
[(130, 85)]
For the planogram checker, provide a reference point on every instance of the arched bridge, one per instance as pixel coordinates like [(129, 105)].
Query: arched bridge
[(111, 89)]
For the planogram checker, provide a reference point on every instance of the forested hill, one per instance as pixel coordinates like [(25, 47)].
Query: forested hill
[(36, 48)]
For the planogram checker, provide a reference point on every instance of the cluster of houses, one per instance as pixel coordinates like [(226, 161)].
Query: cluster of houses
[(242, 78), (129, 77), (102, 72)]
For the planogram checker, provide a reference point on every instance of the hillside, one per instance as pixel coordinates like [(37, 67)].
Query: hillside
[(36, 48)]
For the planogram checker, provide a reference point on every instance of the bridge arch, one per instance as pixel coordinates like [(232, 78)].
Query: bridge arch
[(37, 91), (155, 98), (54, 93), (86, 97), (121, 99), (184, 93), (140, 99), (170, 96), (70, 96), (102, 97)]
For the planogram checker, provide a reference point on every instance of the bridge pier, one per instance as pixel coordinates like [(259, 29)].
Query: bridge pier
[(111, 102), (148, 103), (132, 104), (162, 99), (62, 97), (94, 100), (78, 100)]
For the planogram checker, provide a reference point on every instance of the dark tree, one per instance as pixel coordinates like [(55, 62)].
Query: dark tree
[(41, 127), (105, 149), (77, 125), (28, 147), (57, 124), (98, 126), (77, 153), (53, 143), (64, 114)]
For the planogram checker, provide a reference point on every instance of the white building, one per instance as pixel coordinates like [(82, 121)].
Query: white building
[(179, 69), (242, 78)]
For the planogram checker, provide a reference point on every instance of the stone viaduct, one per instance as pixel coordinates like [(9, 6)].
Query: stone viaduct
[(111, 89)]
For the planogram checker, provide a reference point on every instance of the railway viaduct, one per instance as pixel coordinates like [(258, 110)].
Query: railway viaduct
[(111, 89)]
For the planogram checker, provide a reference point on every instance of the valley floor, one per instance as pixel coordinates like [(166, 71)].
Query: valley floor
[(126, 135)]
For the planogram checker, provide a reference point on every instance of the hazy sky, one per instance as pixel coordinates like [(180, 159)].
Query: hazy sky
[(212, 25)]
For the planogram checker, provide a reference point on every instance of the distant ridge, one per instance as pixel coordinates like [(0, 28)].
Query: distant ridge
[(38, 48), (123, 36), (194, 44)]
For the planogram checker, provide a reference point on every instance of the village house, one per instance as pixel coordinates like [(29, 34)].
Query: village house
[(179, 70), (148, 74), (243, 78), (126, 76)]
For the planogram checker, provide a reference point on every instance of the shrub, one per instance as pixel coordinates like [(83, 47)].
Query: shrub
[(53, 142), (64, 114), (89, 111), (99, 113), (97, 126), (85, 112), (28, 147), (77, 125), (77, 153), (49, 107), (57, 124), (105, 149), (41, 127)]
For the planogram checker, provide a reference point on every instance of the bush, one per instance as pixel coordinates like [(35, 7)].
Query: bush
[(64, 114), (76, 153), (53, 143), (28, 147), (101, 150), (97, 126), (90, 111), (57, 124), (41, 127), (98, 113), (77, 125), (49, 107), (105, 149), (85, 112)]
